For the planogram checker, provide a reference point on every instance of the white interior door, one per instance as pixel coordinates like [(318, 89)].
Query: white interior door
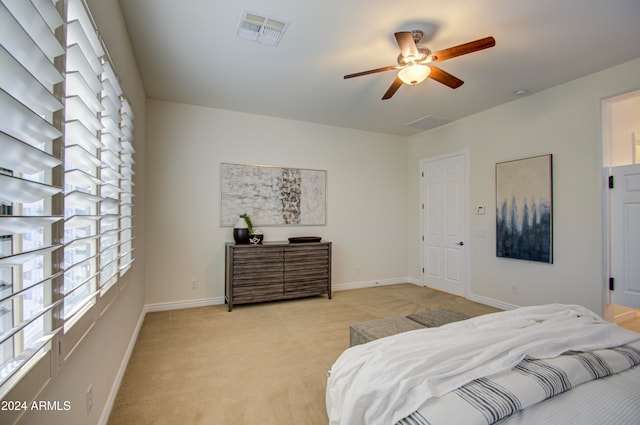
[(443, 193), (625, 235)]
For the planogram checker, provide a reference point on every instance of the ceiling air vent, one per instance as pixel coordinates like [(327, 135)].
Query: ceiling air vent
[(260, 28), (428, 122)]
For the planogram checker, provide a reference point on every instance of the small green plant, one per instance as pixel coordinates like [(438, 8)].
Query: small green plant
[(248, 221)]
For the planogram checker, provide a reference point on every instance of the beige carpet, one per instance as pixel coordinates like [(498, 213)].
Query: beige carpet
[(261, 364)]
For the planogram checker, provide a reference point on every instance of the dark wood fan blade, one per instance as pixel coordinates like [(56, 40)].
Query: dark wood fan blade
[(371, 71), (444, 77), (392, 89), (406, 44), (463, 49)]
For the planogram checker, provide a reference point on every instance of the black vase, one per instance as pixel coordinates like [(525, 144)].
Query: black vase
[(241, 235)]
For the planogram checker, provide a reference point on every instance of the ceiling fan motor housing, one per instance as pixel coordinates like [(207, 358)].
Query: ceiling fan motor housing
[(417, 35)]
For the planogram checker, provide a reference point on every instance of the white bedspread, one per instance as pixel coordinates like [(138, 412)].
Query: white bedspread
[(387, 379)]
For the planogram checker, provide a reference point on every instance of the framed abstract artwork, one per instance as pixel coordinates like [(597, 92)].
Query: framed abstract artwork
[(524, 209), (272, 196)]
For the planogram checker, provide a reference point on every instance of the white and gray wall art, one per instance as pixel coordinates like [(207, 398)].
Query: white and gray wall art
[(272, 196)]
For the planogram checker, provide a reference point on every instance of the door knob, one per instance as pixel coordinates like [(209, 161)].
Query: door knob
[(460, 243)]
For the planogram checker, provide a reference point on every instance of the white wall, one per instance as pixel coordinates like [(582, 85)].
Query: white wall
[(566, 122), (97, 361), (366, 189)]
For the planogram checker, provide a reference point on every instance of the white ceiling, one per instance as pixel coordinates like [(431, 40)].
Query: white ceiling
[(188, 52)]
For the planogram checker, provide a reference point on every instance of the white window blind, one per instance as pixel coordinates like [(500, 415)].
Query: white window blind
[(126, 187), (66, 167), (82, 163), (111, 137), (30, 184)]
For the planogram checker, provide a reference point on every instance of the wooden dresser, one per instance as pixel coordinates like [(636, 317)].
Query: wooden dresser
[(276, 271)]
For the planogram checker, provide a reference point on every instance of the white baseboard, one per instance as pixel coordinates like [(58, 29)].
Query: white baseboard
[(205, 302), (369, 284), (111, 398), (476, 298), (491, 302), (179, 305)]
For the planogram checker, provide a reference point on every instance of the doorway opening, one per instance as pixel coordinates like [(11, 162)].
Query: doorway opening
[(620, 147)]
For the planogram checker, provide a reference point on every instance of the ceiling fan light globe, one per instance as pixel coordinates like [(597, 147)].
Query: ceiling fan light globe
[(414, 74)]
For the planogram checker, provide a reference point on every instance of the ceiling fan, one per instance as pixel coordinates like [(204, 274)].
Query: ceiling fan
[(414, 62)]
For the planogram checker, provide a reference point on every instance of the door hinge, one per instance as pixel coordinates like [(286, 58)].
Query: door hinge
[(423, 270), (422, 173), (611, 283), (610, 182)]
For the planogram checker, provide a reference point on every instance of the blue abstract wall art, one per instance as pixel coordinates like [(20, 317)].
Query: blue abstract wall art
[(524, 209)]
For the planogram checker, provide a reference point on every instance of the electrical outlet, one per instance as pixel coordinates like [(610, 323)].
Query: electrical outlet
[(194, 284), (514, 288), (89, 398)]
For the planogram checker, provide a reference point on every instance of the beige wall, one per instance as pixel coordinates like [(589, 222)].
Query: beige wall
[(625, 121), (366, 191), (566, 122), (98, 360)]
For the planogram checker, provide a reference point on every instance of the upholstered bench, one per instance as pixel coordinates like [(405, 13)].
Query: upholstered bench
[(360, 333), (432, 319)]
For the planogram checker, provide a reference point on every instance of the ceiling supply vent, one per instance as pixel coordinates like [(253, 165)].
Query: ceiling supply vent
[(260, 28), (428, 122)]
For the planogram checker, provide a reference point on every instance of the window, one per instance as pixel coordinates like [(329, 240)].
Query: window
[(82, 128), (66, 133)]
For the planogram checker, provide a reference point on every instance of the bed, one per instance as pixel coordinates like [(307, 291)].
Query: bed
[(550, 364)]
